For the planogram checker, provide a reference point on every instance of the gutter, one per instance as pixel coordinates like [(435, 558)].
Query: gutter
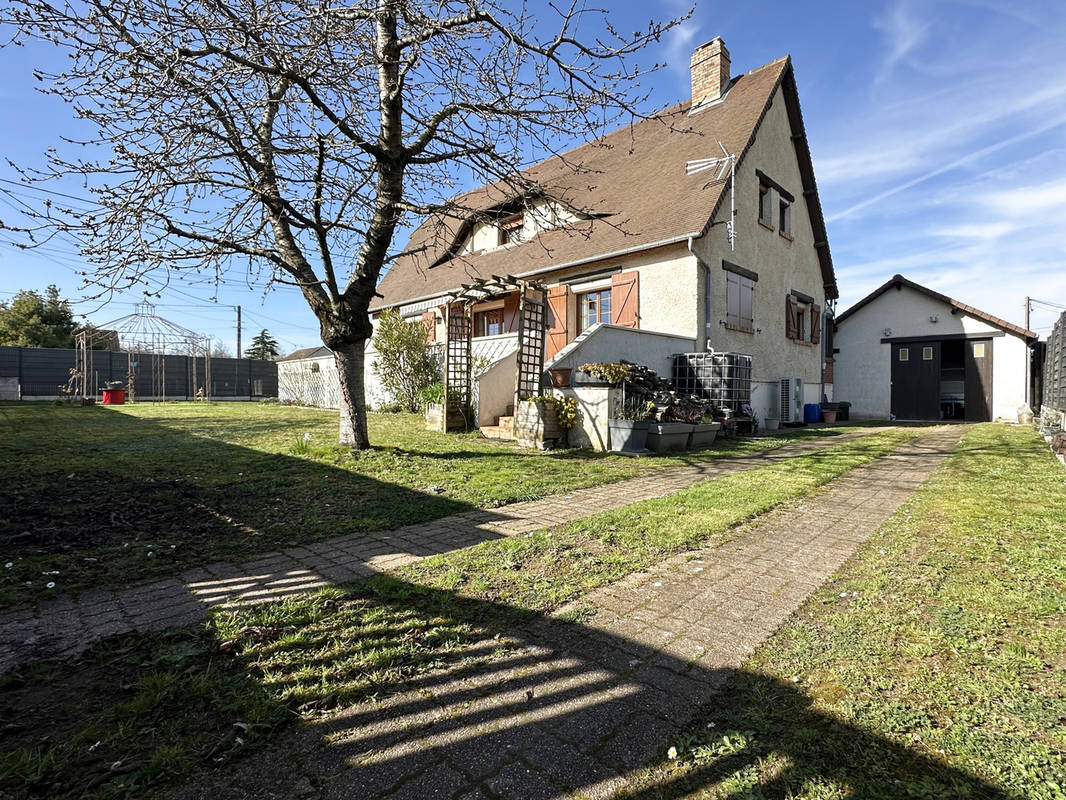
[(566, 265), (706, 295)]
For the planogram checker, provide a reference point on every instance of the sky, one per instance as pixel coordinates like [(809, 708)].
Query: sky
[(938, 132)]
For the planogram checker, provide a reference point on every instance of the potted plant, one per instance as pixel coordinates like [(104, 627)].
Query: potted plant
[(843, 411), (673, 430), (829, 412), (772, 423), (544, 420), (628, 428), (704, 432)]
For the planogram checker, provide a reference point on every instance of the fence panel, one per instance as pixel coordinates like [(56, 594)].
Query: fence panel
[(1054, 372)]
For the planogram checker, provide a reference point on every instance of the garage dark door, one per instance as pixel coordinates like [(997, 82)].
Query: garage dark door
[(978, 354), (916, 380)]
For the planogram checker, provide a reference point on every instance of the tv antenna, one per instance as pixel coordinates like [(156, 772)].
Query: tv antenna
[(726, 163)]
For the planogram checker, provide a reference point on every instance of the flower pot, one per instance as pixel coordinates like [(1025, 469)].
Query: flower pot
[(829, 415), (664, 436), (772, 423), (560, 377), (703, 434), (627, 436)]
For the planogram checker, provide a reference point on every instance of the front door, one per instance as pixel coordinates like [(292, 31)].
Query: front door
[(916, 380), (978, 355)]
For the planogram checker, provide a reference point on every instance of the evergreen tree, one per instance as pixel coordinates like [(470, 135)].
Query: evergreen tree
[(264, 347), (33, 320)]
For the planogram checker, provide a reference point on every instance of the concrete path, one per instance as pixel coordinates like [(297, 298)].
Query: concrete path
[(562, 709), (66, 626)]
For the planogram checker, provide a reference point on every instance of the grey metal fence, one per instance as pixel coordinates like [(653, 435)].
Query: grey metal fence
[(1054, 372), (40, 372)]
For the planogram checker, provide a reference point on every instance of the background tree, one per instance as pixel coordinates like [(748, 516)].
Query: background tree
[(264, 347), (299, 136), (405, 362), (219, 349), (33, 320)]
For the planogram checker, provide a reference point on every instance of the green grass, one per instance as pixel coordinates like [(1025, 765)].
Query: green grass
[(938, 653), (336, 647), (108, 496)]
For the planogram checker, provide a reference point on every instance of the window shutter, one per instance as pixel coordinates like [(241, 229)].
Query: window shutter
[(816, 324), (625, 299), (429, 320), (791, 318), (557, 332), (510, 313)]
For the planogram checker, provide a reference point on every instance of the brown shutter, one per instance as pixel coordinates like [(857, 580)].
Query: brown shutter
[(510, 313), (625, 299), (791, 318), (429, 320), (816, 324), (558, 336)]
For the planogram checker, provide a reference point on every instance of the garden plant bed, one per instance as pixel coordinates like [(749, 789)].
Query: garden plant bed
[(111, 496)]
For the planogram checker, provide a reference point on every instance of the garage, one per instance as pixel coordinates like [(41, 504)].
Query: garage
[(907, 352)]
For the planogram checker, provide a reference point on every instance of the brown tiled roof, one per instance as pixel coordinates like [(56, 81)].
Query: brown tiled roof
[(976, 313), (634, 176)]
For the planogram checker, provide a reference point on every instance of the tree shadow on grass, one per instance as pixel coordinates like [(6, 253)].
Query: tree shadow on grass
[(533, 707)]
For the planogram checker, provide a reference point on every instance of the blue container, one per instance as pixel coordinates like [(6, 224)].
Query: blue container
[(812, 412)]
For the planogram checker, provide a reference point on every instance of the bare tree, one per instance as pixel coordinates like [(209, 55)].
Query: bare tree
[(300, 135)]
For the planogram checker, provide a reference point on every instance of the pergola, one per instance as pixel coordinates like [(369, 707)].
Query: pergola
[(143, 335), (459, 324)]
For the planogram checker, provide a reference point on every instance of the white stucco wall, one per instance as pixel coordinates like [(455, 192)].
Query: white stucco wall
[(783, 266), (594, 405), (495, 389), (611, 343), (863, 367)]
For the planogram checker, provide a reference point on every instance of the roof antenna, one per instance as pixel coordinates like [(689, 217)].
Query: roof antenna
[(727, 161)]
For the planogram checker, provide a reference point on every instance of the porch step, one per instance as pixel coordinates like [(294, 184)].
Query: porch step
[(497, 432)]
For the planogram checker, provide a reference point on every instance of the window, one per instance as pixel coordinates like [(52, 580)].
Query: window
[(803, 319), (739, 296), (315, 367), (488, 323), (593, 307), (927, 354), (979, 350), (904, 354), (766, 214), (784, 217), (511, 229)]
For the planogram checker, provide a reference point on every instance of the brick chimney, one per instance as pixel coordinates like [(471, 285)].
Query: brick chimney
[(710, 71)]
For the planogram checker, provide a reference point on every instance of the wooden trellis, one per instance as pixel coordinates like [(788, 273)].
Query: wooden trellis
[(459, 324)]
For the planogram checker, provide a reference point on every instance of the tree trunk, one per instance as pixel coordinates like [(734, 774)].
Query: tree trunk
[(350, 358)]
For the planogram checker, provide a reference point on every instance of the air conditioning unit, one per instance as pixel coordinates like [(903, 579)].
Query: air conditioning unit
[(791, 397)]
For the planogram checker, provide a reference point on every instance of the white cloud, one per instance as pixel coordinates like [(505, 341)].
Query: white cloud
[(904, 33)]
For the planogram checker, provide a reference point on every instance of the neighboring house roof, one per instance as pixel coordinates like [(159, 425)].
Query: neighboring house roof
[(897, 281), (634, 177), (308, 352)]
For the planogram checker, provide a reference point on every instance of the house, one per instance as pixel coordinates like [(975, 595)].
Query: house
[(308, 377), (635, 251), (908, 352)]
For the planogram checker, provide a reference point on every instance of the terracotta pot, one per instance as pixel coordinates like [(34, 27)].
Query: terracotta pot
[(560, 377), (829, 415)]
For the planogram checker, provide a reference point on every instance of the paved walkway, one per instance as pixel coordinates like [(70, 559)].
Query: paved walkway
[(567, 710), (66, 626)]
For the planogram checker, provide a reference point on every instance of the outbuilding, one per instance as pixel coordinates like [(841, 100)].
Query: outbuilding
[(909, 353)]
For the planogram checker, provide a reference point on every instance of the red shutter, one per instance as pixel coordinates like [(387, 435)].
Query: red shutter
[(429, 319), (816, 324), (625, 299), (558, 336), (510, 313)]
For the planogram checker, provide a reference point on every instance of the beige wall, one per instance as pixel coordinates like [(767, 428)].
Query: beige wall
[(594, 405), (782, 266)]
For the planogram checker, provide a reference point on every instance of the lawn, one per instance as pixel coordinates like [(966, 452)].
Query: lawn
[(336, 647), (938, 653), (106, 496)]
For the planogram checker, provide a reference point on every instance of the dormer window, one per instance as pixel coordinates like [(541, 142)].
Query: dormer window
[(511, 229)]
